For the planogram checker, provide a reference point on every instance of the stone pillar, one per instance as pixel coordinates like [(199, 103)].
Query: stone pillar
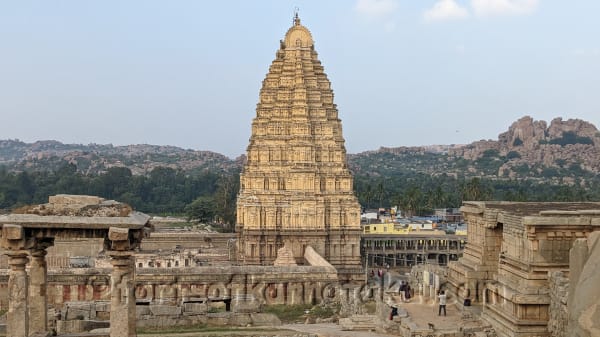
[(17, 321), (122, 297), (38, 308)]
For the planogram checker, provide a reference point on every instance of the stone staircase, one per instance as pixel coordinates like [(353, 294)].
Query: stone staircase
[(359, 322)]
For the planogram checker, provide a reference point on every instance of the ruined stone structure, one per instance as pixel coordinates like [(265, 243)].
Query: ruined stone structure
[(26, 237), (584, 289), (296, 188), (184, 296), (404, 251), (508, 265), (166, 295)]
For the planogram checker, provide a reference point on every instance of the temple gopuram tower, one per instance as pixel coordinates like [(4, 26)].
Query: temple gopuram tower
[(295, 188)]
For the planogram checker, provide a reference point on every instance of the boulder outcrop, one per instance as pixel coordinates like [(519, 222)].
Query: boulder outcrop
[(571, 144)]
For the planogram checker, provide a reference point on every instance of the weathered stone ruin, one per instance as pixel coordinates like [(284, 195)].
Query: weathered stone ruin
[(132, 285), (27, 236), (514, 266), (584, 289)]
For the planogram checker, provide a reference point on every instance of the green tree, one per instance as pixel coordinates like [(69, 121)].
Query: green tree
[(201, 210), (437, 198), (380, 193), (411, 201), (475, 190), (225, 198)]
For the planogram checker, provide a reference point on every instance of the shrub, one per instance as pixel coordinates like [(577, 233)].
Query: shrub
[(297, 312), (513, 155), (570, 137), (490, 153), (517, 142), (287, 313)]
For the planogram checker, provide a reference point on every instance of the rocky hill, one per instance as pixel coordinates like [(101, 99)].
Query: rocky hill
[(95, 158), (572, 144), (565, 152)]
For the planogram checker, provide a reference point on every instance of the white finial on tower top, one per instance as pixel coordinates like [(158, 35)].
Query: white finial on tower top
[(296, 17)]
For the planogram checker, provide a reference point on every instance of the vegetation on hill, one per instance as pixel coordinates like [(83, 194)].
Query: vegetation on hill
[(163, 191), (411, 182), (529, 162)]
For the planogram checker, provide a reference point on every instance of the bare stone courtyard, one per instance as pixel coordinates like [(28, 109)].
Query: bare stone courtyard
[(423, 313)]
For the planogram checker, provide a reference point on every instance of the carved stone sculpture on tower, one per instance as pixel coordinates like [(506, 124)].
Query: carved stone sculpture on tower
[(296, 187)]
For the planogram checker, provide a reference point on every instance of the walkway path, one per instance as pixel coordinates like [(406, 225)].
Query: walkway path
[(422, 313), (330, 330)]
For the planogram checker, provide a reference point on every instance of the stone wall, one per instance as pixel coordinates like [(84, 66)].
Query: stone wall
[(584, 293), (249, 286), (559, 292), (231, 295), (511, 250)]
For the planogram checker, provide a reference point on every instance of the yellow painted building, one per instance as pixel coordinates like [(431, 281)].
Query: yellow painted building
[(407, 229)]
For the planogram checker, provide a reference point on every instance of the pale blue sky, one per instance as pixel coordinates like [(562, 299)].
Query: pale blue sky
[(188, 73)]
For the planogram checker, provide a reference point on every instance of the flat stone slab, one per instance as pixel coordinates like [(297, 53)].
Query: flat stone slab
[(165, 310), (135, 220)]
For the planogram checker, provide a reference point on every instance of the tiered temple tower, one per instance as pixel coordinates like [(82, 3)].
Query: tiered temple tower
[(296, 189)]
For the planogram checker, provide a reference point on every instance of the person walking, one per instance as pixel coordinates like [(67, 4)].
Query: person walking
[(442, 298)]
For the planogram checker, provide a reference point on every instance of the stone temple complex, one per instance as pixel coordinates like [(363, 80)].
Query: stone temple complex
[(78, 263), (296, 189)]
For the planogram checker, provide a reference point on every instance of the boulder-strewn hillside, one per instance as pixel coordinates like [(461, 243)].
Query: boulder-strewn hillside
[(565, 152), (95, 158), (529, 162), (531, 147)]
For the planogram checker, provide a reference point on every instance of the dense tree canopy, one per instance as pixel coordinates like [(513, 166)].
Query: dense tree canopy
[(211, 195), (163, 191)]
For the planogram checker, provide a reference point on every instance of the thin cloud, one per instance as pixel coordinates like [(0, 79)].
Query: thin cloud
[(486, 8), (375, 9), (445, 10)]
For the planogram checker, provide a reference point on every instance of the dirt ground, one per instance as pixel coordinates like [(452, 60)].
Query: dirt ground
[(331, 330), (320, 330), (422, 313)]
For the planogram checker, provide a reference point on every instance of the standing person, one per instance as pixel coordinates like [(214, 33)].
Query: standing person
[(442, 298), (407, 293), (401, 291)]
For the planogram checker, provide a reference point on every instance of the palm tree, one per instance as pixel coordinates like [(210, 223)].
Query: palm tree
[(437, 198), (411, 201), (380, 193), (474, 190)]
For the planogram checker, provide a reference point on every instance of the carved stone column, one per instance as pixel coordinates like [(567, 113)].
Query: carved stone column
[(38, 306), (122, 298), (15, 245), (120, 244), (17, 321)]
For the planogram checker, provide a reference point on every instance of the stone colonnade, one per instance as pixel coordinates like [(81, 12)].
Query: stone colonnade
[(27, 308), (406, 251)]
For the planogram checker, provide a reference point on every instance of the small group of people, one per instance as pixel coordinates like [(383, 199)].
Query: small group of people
[(404, 292), (380, 273)]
